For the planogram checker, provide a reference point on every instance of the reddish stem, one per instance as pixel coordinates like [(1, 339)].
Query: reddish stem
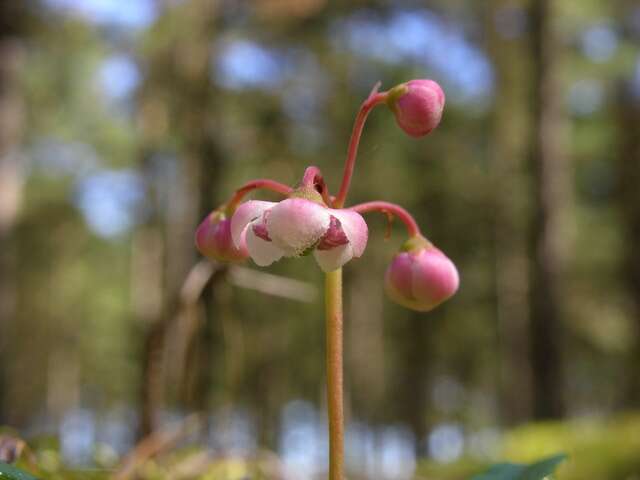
[(313, 178), (390, 208), (261, 183), (374, 99)]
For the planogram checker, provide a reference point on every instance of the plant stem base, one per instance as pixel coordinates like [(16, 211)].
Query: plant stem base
[(334, 327)]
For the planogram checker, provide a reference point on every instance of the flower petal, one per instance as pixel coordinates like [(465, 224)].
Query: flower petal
[(296, 224), (333, 258), (263, 253), (355, 228), (244, 214)]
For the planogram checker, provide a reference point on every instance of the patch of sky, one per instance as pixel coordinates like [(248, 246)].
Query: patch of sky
[(421, 37), (77, 437), (233, 433), (446, 442), (117, 429), (110, 201), (397, 457), (135, 14), (56, 158), (599, 42), (586, 97), (118, 76), (425, 39), (244, 64), (300, 439), (293, 72)]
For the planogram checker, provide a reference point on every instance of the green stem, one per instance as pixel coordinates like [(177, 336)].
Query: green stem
[(333, 305)]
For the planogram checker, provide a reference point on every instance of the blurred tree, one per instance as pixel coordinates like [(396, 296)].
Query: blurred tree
[(179, 88), (552, 189), (628, 166), (13, 18), (508, 152)]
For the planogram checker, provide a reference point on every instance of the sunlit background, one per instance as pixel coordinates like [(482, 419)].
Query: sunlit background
[(123, 123)]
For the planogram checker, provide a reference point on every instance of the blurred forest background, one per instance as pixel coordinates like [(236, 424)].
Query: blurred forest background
[(122, 124)]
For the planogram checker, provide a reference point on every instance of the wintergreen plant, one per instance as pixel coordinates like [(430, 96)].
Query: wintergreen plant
[(309, 220)]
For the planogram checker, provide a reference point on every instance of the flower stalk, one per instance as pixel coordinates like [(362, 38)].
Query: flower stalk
[(311, 221), (374, 100), (334, 360), (261, 183), (390, 208)]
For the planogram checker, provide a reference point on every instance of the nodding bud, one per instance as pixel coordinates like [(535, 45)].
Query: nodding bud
[(417, 105), (213, 239), (421, 277)]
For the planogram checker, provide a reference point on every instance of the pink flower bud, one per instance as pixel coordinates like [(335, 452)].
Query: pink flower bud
[(421, 279), (418, 106), (213, 240)]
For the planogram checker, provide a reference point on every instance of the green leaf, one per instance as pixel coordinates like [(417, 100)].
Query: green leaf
[(515, 471), (7, 472)]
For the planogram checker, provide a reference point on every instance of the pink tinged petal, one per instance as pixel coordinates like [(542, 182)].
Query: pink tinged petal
[(334, 237), (332, 259), (296, 224), (244, 214), (355, 229), (262, 252), (259, 227)]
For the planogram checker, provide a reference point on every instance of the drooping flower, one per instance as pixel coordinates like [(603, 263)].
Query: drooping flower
[(213, 240), (417, 105), (296, 226), (421, 277)]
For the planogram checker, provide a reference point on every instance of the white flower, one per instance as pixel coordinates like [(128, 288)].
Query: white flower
[(292, 227)]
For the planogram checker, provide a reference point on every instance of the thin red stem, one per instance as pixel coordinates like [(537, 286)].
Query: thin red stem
[(391, 208), (374, 99), (260, 183)]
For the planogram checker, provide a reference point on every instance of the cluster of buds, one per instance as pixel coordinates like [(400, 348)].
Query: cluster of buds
[(311, 221)]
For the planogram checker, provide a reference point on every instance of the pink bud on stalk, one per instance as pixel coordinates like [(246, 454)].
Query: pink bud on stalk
[(417, 105), (421, 277), (213, 239)]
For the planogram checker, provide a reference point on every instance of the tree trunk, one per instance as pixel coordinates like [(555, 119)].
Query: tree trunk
[(551, 196), (11, 163), (179, 84), (629, 200), (509, 144)]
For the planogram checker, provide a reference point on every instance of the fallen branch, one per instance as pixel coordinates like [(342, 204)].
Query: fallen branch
[(154, 444)]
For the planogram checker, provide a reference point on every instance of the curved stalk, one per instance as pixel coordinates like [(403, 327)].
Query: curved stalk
[(260, 183), (335, 402), (374, 99), (391, 208)]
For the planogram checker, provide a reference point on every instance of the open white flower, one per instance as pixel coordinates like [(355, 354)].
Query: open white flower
[(294, 226)]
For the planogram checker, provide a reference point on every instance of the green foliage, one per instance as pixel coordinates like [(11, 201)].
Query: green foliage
[(8, 472), (514, 471)]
